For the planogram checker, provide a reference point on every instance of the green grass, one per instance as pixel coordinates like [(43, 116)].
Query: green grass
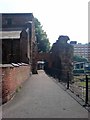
[(18, 89), (83, 84)]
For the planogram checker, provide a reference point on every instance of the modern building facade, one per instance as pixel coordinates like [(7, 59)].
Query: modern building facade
[(82, 50)]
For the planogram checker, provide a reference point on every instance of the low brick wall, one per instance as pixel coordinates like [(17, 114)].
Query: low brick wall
[(12, 77)]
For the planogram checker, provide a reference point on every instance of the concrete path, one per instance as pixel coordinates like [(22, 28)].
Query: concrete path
[(41, 97)]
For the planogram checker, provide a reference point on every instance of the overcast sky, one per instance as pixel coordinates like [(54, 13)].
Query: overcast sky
[(58, 17)]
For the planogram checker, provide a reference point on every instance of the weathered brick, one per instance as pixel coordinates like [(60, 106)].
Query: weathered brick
[(13, 77)]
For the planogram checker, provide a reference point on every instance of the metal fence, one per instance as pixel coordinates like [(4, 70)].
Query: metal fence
[(79, 84)]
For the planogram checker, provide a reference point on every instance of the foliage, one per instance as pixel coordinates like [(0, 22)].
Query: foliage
[(41, 36), (79, 59)]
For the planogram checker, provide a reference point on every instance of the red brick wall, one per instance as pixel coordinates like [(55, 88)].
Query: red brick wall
[(45, 56), (12, 78)]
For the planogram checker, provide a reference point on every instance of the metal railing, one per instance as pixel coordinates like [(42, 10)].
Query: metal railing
[(79, 85)]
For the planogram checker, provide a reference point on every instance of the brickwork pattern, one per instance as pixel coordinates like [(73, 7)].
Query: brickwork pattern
[(12, 78)]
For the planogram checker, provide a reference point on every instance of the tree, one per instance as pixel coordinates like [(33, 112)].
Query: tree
[(41, 36), (79, 59)]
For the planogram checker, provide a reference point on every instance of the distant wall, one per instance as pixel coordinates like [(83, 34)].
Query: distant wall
[(12, 78), (46, 57)]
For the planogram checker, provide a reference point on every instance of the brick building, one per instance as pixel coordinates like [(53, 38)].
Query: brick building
[(18, 37), (19, 49)]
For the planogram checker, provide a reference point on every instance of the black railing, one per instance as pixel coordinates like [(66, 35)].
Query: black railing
[(79, 84)]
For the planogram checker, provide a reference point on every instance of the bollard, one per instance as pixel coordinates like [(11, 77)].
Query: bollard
[(67, 80), (86, 100)]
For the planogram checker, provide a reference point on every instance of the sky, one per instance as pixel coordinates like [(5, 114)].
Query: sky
[(58, 17)]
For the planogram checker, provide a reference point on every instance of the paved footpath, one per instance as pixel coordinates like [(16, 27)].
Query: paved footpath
[(41, 97)]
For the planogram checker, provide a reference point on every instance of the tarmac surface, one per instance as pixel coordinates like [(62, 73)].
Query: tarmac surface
[(41, 97)]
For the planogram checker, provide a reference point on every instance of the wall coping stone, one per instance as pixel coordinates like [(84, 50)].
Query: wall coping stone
[(24, 64), (20, 64), (13, 65), (5, 65)]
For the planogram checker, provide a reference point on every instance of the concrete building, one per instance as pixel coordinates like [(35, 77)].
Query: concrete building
[(82, 50)]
